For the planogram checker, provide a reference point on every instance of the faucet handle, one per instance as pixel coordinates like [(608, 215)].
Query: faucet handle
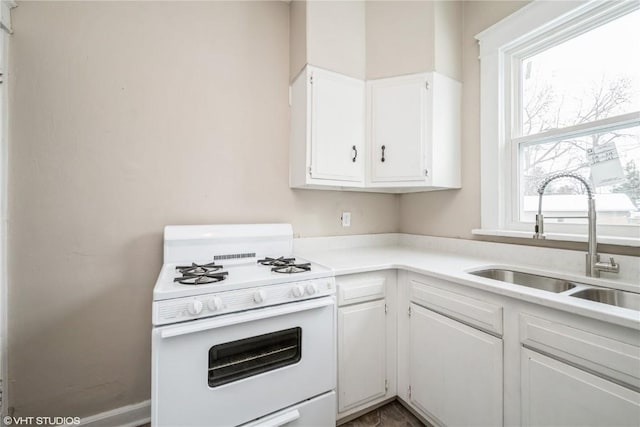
[(613, 261)]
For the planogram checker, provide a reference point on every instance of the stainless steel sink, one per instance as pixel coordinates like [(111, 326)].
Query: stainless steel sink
[(525, 279), (611, 296)]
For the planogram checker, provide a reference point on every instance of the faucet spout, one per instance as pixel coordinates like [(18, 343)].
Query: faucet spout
[(593, 264)]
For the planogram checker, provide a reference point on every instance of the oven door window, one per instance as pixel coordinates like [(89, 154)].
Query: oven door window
[(235, 360)]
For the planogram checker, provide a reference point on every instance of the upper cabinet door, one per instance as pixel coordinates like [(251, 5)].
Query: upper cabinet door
[(398, 124), (337, 133)]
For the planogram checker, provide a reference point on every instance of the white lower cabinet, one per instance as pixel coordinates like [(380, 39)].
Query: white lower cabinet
[(575, 373), (362, 353), (366, 340), (464, 357), (557, 394), (455, 370)]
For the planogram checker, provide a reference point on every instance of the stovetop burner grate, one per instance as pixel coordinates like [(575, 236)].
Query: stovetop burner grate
[(277, 262), (198, 268), (200, 274), (201, 278), (292, 268)]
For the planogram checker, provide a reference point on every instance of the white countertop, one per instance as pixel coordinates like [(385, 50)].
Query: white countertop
[(452, 259)]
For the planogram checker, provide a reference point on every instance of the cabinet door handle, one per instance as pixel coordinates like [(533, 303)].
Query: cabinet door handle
[(383, 148), (355, 154)]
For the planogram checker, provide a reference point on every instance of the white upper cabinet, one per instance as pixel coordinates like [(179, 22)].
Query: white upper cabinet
[(397, 117), (337, 139), (414, 124), (408, 139), (413, 132), (327, 136)]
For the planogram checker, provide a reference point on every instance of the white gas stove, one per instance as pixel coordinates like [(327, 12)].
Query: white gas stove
[(236, 316)]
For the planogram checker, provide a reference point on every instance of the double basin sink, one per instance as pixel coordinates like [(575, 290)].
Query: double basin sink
[(585, 291)]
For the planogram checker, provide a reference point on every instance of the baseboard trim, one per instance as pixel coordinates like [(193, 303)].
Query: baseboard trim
[(126, 416)]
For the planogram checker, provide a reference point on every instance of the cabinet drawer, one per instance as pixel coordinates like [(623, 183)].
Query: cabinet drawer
[(613, 359), (474, 312), (352, 291)]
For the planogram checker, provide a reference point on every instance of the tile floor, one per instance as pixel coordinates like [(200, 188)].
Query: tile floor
[(392, 414)]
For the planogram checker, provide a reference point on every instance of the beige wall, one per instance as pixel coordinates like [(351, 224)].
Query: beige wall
[(377, 39), (129, 116), (455, 213), (328, 34), (297, 37), (448, 38), (400, 38), (405, 37), (336, 36), (126, 117)]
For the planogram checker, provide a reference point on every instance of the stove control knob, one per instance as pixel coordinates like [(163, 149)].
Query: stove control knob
[(298, 291), (312, 288), (259, 296), (194, 307), (215, 304)]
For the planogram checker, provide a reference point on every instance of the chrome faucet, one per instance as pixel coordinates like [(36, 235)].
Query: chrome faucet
[(594, 266)]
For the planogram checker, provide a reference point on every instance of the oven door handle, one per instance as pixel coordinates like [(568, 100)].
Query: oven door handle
[(248, 316), (280, 420)]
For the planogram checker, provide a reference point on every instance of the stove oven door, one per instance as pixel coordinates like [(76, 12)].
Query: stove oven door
[(232, 369)]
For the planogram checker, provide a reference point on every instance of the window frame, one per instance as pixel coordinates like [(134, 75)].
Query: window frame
[(534, 28)]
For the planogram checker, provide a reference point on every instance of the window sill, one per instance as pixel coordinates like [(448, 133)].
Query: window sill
[(607, 240)]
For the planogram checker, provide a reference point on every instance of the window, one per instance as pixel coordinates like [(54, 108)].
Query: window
[(562, 88)]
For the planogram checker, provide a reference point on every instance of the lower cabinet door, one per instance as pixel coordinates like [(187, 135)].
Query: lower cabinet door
[(361, 354), (557, 394), (455, 371)]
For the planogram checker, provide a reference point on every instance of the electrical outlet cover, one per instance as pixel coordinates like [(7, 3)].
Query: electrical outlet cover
[(346, 219)]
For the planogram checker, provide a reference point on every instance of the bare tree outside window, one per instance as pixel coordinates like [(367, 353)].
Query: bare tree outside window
[(591, 77)]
